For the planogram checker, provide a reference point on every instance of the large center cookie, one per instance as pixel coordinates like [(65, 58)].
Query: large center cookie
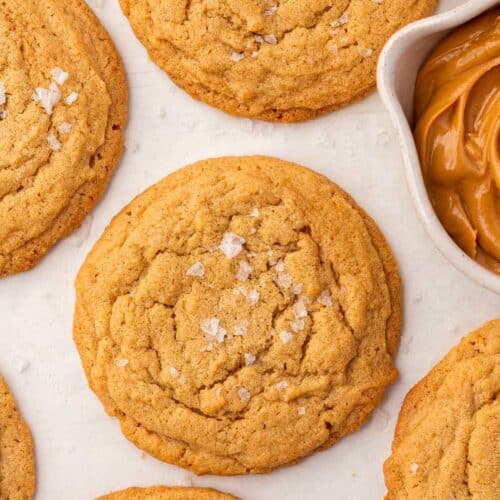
[(63, 104), (447, 442), (280, 60), (238, 315), (17, 463), (167, 493)]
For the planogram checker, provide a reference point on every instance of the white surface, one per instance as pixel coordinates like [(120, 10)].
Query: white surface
[(80, 451), (396, 75)]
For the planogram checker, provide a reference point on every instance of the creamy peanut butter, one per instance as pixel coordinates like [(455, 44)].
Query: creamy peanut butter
[(457, 108)]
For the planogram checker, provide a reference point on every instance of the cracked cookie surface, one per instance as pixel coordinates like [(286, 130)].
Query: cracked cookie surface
[(238, 315), (278, 60), (63, 101), (168, 493), (17, 463), (447, 441)]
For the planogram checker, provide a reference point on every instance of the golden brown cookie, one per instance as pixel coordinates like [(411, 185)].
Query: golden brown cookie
[(271, 59), (17, 463), (63, 104), (239, 315), (167, 493), (447, 441)]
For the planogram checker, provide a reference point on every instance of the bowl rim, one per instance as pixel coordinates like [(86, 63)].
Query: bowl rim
[(386, 80)]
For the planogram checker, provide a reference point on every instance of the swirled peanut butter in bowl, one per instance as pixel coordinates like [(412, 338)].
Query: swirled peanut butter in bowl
[(457, 111)]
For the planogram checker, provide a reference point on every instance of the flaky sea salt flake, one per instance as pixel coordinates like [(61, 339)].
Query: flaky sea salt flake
[(212, 328), (3, 95), (271, 39), (237, 56), (325, 299), (197, 270), (174, 372), (54, 142), (282, 384), (231, 245), (300, 308), (414, 468), (59, 75), (253, 297), (64, 128), (365, 52), (72, 98), (121, 362), (298, 325), (285, 337), (241, 330), (255, 212), (244, 271), (48, 98), (283, 280), (301, 410), (249, 358), (244, 394)]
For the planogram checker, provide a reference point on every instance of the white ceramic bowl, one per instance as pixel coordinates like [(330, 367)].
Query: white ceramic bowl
[(398, 66)]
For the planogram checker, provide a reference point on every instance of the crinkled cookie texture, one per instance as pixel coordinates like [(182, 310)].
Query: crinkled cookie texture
[(279, 60), (447, 442), (63, 104), (17, 463), (238, 315), (167, 493)]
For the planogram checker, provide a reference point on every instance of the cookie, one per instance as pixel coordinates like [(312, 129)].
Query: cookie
[(17, 463), (63, 105), (447, 442), (168, 493), (272, 60), (239, 315)]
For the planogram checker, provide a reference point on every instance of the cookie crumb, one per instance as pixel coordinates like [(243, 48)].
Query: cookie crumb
[(249, 359), (196, 270), (231, 245)]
